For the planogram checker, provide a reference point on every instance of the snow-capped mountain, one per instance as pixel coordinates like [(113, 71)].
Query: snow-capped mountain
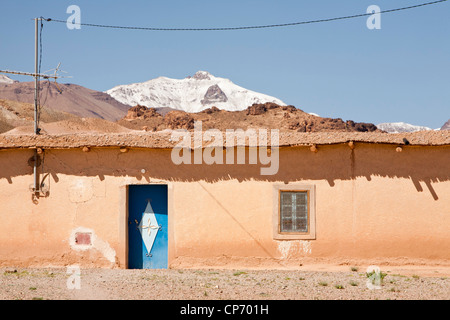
[(192, 94), (446, 125), (397, 127), (6, 80)]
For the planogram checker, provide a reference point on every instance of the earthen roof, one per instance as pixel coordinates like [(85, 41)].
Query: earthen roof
[(162, 140)]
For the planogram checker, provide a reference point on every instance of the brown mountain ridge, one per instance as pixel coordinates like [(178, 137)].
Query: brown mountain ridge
[(268, 116), (69, 98)]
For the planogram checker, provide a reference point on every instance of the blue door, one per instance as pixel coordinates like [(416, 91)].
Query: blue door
[(147, 227)]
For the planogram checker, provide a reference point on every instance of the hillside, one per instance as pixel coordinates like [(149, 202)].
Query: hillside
[(18, 114), (268, 115), (69, 98), (18, 118)]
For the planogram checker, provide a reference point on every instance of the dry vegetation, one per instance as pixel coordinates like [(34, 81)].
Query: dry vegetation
[(211, 284)]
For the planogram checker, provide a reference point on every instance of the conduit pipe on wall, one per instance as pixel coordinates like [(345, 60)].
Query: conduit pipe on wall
[(35, 173)]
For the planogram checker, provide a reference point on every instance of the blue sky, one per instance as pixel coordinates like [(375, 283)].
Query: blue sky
[(337, 69)]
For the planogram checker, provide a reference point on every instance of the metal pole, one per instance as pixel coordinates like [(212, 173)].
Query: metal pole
[(36, 94), (36, 78)]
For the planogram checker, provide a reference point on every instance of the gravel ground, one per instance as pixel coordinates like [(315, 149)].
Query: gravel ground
[(211, 284)]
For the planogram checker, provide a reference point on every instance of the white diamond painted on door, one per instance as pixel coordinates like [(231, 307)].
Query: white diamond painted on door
[(148, 227)]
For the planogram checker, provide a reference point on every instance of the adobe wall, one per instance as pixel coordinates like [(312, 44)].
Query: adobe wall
[(372, 203)]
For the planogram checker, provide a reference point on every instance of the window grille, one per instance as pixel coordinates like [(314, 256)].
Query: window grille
[(294, 211)]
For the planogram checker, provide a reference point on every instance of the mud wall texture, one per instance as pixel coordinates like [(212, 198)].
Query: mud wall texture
[(371, 203)]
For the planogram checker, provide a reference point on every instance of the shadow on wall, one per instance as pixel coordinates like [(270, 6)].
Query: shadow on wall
[(424, 164)]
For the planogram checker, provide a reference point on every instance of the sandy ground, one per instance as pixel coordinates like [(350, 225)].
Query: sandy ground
[(340, 283)]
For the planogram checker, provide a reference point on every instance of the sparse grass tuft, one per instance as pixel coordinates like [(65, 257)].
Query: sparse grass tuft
[(374, 275), (9, 272), (49, 274), (15, 272)]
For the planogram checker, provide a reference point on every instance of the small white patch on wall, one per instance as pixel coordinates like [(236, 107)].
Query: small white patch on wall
[(82, 239), (294, 247), (284, 247), (84, 189), (306, 246), (81, 190)]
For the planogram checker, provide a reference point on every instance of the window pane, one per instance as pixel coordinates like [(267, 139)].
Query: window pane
[(294, 211)]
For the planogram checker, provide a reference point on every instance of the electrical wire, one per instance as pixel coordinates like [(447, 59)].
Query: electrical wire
[(248, 27)]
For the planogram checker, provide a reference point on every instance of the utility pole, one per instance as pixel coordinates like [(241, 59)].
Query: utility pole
[(36, 78), (36, 75), (36, 189)]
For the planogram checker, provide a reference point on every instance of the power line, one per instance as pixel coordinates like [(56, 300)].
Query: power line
[(247, 27)]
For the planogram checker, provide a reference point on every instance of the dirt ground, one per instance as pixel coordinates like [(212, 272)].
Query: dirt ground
[(338, 283)]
